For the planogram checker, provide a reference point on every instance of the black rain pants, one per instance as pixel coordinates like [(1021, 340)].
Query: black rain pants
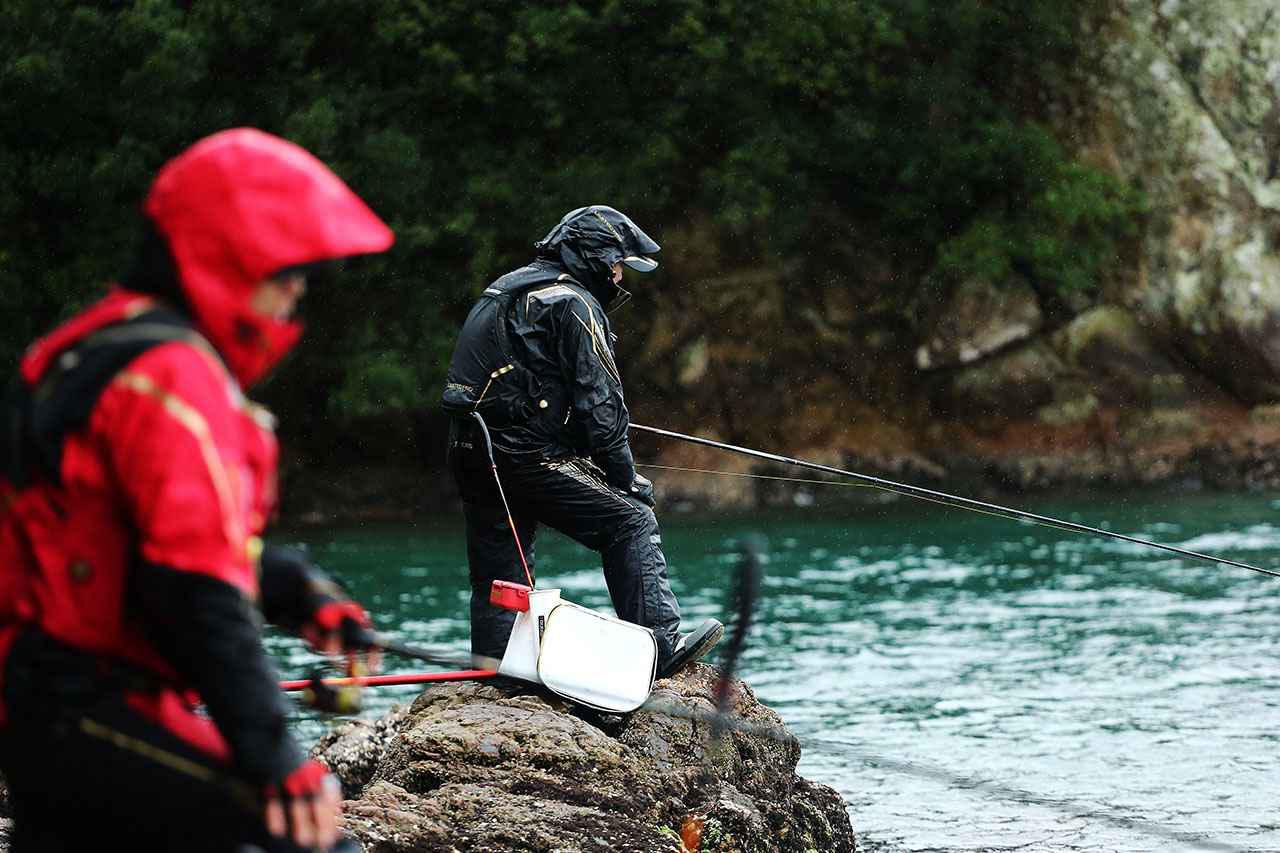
[(571, 496)]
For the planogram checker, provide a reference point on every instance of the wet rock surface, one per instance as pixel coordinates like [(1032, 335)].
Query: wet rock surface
[(496, 767)]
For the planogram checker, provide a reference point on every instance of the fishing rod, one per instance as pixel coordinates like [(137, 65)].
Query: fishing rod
[(358, 637), (745, 594), (390, 679), (934, 496), (342, 694)]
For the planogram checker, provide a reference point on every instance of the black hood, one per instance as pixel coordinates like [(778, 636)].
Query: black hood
[(590, 240)]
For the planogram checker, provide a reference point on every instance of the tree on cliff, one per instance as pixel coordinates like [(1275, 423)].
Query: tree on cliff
[(795, 129)]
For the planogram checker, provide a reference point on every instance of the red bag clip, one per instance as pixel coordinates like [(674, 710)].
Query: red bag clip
[(509, 596)]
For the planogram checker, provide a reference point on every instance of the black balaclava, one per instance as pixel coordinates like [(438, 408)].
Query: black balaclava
[(590, 240)]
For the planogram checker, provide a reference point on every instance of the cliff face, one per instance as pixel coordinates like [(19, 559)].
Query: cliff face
[(1166, 374), (1169, 375), (1188, 106)]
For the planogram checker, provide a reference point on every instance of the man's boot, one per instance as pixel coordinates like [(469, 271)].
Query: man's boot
[(691, 647)]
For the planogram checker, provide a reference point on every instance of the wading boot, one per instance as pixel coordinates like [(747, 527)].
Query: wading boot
[(691, 647)]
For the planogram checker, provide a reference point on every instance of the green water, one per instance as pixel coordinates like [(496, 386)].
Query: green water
[(965, 682)]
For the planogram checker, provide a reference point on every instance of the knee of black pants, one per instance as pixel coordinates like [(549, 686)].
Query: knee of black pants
[(640, 524)]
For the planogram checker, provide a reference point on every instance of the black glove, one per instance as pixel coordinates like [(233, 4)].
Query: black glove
[(617, 465), (298, 596), (641, 488)]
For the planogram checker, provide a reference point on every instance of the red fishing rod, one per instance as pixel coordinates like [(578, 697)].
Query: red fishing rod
[(391, 679), (341, 694)]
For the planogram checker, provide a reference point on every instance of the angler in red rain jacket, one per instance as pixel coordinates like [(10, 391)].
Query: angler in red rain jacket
[(136, 481)]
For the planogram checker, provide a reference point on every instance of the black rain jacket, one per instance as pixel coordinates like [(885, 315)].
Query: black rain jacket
[(535, 359)]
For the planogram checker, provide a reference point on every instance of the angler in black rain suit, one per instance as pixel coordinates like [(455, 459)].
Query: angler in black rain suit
[(535, 359)]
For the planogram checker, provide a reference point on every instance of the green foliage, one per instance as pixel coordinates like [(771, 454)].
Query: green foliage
[(1064, 229), (473, 127)]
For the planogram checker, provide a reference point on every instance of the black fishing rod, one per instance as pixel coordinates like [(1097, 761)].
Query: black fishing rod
[(359, 637), (921, 493)]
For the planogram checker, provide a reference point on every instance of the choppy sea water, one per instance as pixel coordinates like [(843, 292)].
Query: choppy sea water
[(965, 682)]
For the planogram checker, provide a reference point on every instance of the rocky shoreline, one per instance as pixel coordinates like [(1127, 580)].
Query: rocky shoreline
[(504, 767)]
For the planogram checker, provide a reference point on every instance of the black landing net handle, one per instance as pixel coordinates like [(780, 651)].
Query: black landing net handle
[(745, 596), (956, 501), (746, 593)]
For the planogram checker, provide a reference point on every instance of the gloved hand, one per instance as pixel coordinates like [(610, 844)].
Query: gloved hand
[(336, 626), (642, 488), (304, 806), (298, 596)]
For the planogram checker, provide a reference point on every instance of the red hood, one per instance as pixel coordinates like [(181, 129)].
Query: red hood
[(235, 209)]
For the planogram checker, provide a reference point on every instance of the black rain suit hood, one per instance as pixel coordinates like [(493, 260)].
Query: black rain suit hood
[(590, 240)]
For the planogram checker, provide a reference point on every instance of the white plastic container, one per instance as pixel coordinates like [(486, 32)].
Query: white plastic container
[(587, 657), (597, 660)]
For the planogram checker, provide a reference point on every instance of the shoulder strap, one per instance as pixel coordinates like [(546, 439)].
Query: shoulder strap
[(37, 419)]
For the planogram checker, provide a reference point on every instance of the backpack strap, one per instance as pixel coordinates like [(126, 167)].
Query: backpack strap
[(36, 419)]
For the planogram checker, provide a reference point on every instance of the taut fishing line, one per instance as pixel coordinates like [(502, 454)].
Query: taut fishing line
[(955, 501)]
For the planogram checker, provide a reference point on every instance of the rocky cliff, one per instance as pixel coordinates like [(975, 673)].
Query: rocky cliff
[(1168, 374), (1165, 373)]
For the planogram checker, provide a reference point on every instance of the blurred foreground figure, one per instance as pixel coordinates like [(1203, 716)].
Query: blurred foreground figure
[(535, 359), (136, 479)]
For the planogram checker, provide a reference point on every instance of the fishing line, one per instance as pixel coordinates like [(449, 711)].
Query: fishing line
[(752, 476), (924, 498), (953, 501), (934, 773), (720, 721)]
